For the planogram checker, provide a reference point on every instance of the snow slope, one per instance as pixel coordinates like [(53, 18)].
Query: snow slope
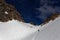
[(15, 30), (51, 31)]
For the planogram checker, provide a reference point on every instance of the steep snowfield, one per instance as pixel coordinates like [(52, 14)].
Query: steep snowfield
[(15, 30), (51, 31)]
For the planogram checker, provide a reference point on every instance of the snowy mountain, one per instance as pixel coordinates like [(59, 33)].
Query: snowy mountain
[(15, 30), (14, 27), (49, 31)]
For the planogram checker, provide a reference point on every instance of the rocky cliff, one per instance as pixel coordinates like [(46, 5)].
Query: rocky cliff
[(8, 12)]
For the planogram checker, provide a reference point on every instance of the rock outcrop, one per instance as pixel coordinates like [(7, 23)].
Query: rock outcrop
[(51, 17), (8, 12)]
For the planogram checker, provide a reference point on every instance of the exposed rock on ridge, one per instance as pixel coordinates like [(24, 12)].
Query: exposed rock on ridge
[(8, 12)]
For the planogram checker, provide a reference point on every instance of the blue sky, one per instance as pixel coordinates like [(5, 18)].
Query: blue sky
[(36, 11)]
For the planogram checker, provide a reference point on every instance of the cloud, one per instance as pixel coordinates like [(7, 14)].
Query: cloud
[(46, 9)]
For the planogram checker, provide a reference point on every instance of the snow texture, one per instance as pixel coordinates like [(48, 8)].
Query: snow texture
[(15, 30)]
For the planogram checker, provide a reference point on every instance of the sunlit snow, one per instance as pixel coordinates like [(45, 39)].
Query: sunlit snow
[(14, 30), (6, 12)]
